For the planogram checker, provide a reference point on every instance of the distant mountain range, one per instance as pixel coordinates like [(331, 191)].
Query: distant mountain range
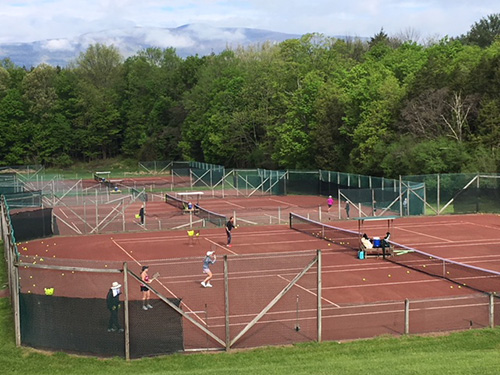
[(188, 40)]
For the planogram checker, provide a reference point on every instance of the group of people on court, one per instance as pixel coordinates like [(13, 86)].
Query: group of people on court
[(330, 202), (113, 296)]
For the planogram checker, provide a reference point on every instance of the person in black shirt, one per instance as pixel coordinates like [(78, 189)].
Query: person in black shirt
[(113, 303), (229, 228)]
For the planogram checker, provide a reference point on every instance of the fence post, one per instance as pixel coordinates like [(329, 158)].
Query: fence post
[(126, 312), (407, 316), (226, 302), (320, 323), (492, 310)]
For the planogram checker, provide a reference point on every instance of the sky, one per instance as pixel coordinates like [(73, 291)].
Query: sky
[(34, 20)]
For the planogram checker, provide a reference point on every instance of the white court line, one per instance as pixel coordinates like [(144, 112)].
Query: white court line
[(64, 213), (223, 247), (236, 205), (286, 203), (383, 284), (426, 235), (308, 291)]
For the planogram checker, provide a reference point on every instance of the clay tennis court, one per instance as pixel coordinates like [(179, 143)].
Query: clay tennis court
[(359, 298)]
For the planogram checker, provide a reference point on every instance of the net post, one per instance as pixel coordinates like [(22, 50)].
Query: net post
[(126, 311), (492, 310), (407, 316), (226, 303), (319, 311), (290, 220)]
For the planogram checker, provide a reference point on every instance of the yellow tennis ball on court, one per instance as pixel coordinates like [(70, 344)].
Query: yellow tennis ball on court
[(364, 279), (49, 291), (62, 274), (407, 271), (389, 275), (329, 244), (424, 266), (451, 286), (459, 287)]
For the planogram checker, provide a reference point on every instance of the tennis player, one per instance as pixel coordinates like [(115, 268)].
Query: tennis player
[(329, 202), (144, 289), (207, 262), (229, 228)]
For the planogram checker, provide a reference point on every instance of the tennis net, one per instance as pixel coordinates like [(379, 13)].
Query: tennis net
[(218, 220), (343, 237), (462, 274), (176, 202), (215, 218)]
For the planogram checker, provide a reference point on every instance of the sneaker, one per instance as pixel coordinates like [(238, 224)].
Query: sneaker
[(144, 307), (121, 330), (203, 284), (149, 306), (208, 285), (228, 245), (111, 329)]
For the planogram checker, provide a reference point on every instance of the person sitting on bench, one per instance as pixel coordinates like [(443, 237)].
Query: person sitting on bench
[(366, 242), (385, 240)]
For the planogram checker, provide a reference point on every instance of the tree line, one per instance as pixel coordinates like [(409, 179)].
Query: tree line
[(389, 106)]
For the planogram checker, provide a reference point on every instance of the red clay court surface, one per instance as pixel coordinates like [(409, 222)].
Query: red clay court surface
[(380, 286)]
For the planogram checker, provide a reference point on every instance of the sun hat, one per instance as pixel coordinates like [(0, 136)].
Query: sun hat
[(115, 285), (210, 253)]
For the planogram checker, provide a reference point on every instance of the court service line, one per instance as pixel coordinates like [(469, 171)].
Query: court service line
[(234, 204), (64, 213), (426, 235), (223, 247), (308, 291), (381, 284), (287, 203)]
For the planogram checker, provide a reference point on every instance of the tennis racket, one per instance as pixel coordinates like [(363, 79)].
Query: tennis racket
[(155, 276)]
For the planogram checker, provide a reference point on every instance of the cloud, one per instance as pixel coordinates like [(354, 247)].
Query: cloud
[(58, 45), (31, 20)]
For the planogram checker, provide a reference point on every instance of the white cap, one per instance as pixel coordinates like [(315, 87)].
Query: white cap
[(115, 285), (210, 253)]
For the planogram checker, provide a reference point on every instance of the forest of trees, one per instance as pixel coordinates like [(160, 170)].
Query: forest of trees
[(387, 107)]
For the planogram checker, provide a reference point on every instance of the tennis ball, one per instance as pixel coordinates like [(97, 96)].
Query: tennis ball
[(329, 244), (41, 259), (31, 277), (364, 279), (451, 286), (407, 271), (49, 291), (62, 274), (459, 287), (424, 266), (34, 284), (389, 275)]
